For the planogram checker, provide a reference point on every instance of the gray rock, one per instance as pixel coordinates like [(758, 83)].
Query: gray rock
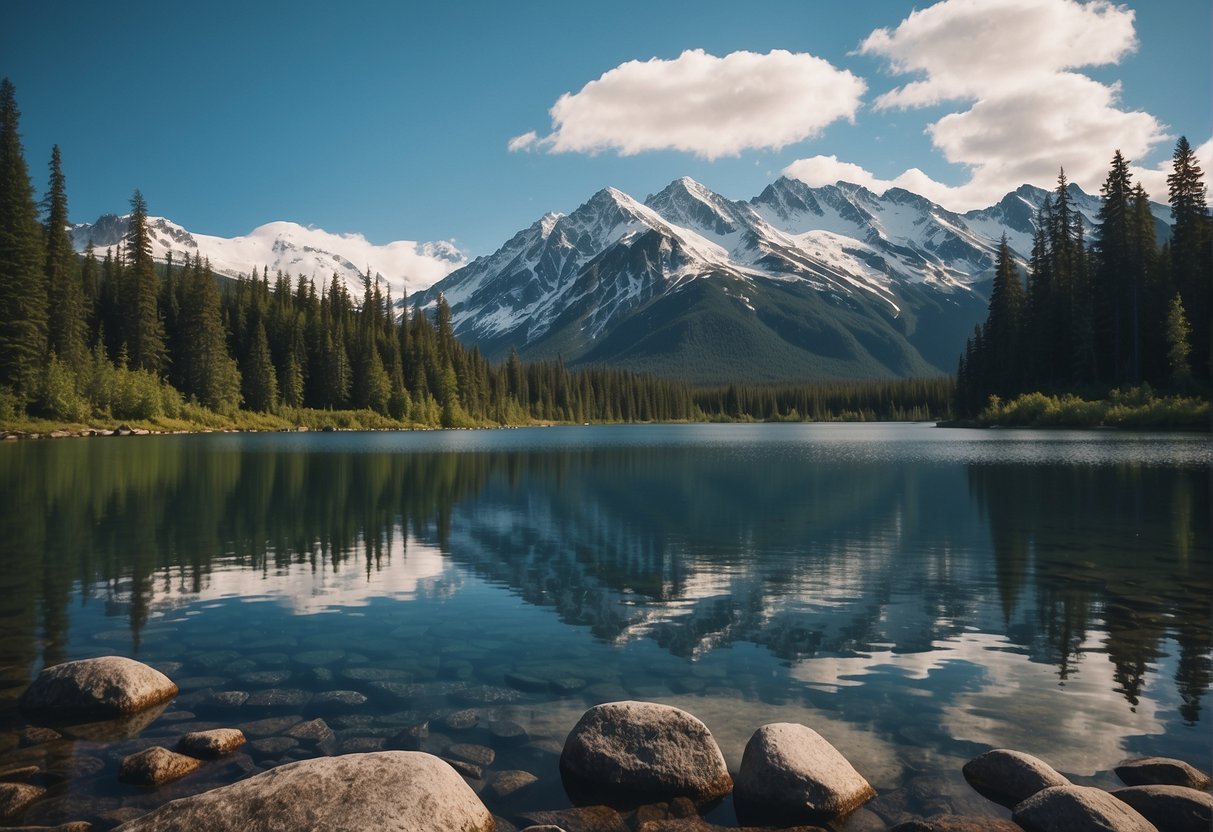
[(210, 744), (507, 732), (272, 746), (319, 657), (629, 753), (790, 774), (156, 766), (1173, 808), (94, 689), (224, 700), (411, 737), (389, 791), (263, 678), (1010, 777), (531, 684), (506, 783), (1161, 771), (15, 798), (1078, 809), (469, 770), (567, 684)]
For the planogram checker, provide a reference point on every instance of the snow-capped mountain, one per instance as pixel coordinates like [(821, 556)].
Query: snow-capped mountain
[(798, 281), (404, 265)]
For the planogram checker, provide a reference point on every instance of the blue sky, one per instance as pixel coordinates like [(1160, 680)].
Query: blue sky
[(395, 119)]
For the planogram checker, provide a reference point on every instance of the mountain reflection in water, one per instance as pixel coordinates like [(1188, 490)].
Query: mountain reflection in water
[(983, 589)]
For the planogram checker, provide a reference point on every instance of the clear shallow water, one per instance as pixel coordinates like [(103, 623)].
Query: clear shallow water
[(916, 595)]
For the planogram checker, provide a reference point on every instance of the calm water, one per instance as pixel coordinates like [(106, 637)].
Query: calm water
[(916, 595)]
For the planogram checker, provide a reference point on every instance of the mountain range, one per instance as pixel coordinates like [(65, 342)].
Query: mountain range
[(798, 282), (404, 265)]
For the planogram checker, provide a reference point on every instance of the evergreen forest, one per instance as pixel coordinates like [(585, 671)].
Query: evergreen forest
[(1103, 310)]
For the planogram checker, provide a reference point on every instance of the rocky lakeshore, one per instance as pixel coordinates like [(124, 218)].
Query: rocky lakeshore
[(196, 760)]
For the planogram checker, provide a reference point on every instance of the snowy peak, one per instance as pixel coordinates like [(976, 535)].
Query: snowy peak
[(403, 265)]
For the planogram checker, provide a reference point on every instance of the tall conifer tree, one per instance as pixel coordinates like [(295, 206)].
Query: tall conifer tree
[(1192, 249), (22, 263), (144, 326)]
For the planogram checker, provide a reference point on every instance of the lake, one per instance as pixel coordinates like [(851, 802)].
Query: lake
[(917, 595)]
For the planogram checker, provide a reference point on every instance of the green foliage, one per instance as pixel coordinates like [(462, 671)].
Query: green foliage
[(1179, 345), (57, 396), (1136, 408)]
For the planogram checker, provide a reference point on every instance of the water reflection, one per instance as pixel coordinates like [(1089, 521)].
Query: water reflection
[(985, 592)]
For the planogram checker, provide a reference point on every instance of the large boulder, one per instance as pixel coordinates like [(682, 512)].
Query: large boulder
[(629, 753), (1010, 777), (1174, 808), (95, 689), (15, 798), (1161, 771), (390, 791), (790, 774), (1078, 809)]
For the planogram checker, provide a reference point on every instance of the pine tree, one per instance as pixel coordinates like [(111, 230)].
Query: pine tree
[(1192, 249), (65, 303), (1116, 296), (259, 382), (1003, 333), (144, 326), (1179, 345), (22, 262), (205, 369)]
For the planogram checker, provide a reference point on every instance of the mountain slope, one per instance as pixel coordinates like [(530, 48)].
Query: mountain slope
[(405, 266)]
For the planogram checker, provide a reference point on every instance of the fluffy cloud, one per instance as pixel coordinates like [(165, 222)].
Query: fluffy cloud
[(1028, 112), (701, 104)]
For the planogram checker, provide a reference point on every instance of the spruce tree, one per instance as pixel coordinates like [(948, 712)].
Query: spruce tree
[(1192, 249), (206, 370), (65, 303), (144, 326), (1004, 324), (1178, 343), (1117, 277), (259, 382), (22, 262)]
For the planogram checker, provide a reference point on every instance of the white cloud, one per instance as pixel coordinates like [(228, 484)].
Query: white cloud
[(1029, 113), (701, 104)]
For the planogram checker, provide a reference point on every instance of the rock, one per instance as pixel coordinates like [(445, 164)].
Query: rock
[(958, 823), (389, 791), (227, 700), (1173, 808), (469, 770), (567, 684), (271, 746), (628, 753), (544, 827), (411, 737), (156, 766), (1077, 809), (480, 755), (95, 689), (15, 798), (270, 726), (34, 735), (583, 819), (791, 774), (336, 701), (277, 698), (210, 744), (263, 678), (1010, 777), (507, 732), (1161, 771), (506, 783), (312, 732), (19, 773), (462, 720), (531, 684)]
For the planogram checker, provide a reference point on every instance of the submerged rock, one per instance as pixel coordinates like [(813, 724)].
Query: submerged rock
[(1161, 771), (156, 766), (15, 798), (1173, 808), (95, 689), (392, 791), (1077, 809), (1010, 777), (213, 743), (628, 753), (791, 774)]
